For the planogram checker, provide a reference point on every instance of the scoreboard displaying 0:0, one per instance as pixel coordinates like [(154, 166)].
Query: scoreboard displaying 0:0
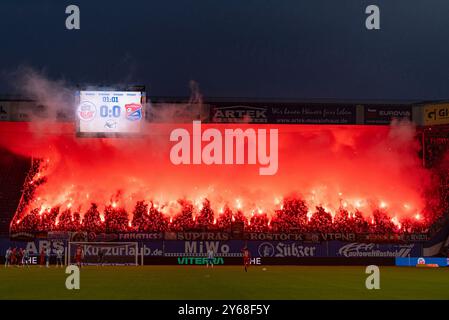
[(109, 112)]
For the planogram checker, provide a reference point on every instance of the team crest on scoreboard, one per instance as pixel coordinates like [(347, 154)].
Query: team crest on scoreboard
[(86, 111), (133, 111)]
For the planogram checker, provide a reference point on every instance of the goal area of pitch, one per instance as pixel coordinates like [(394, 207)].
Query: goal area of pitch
[(105, 253)]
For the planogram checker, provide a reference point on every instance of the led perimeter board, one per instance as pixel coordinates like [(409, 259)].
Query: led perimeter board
[(109, 113)]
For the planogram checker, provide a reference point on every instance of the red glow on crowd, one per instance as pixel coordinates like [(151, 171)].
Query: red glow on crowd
[(356, 178)]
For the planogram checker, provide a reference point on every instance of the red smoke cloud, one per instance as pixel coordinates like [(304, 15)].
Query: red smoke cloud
[(356, 167)]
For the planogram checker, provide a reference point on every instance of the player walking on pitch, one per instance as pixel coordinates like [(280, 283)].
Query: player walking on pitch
[(13, 257), (59, 257), (20, 254), (47, 259), (26, 258), (8, 256), (79, 256), (246, 258), (101, 257), (210, 258), (41, 258)]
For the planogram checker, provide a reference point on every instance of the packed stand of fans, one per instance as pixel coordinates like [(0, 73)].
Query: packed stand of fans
[(293, 215)]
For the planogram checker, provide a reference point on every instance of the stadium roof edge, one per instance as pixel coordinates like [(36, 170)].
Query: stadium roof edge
[(285, 100), (184, 99)]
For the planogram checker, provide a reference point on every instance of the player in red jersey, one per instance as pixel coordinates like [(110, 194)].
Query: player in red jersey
[(20, 257), (79, 256), (42, 258), (246, 258), (13, 256)]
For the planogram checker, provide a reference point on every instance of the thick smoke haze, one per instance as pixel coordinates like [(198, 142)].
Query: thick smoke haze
[(355, 167)]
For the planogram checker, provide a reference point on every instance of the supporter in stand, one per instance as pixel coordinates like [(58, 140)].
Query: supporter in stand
[(294, 215), (292, 219)]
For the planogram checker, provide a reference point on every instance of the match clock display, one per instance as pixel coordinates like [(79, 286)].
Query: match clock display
[(109, 112)]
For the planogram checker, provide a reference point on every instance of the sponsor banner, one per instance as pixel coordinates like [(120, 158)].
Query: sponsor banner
[(338, 236), (22, 236), (101, 237), (221, 236), (41, 235), (331, 261), (436, 114), (229, 248), (61, 235), (385, 114), (413, 237), (92, 250), (152, 248), (197, 236), (233, 248), (283, 249), (105, 237), (413, 261), (236, 113), (307, 237), (55, 235), (139, 236), (261, 236), (148, 248), (360, 250), (34, 247), (79, 236), (309, 261), (313, 114), (199, 260), (96, 237), (283, 113), (216, 261)]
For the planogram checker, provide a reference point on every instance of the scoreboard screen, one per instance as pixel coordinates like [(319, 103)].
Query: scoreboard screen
[(109, 113)]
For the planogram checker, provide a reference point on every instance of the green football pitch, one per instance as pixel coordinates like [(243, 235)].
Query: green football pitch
[(224, 282)]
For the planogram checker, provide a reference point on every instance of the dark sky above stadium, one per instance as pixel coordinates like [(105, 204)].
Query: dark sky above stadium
[(235, 48)]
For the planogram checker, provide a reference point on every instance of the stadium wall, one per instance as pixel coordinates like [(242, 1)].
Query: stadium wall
[(234, 110), (243, 111), (287, 252)]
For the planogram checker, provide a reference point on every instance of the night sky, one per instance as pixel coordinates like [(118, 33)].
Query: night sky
[(235, 48)]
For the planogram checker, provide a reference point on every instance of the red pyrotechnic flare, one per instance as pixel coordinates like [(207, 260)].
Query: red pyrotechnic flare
[(312, 158)]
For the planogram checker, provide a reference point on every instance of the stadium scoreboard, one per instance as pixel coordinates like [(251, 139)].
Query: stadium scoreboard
[(109, 113)]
